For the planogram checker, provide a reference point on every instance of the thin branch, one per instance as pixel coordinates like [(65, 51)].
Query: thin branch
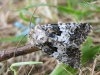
[(9, 53)]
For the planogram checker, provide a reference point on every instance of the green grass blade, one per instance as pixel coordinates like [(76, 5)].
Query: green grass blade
[(22, 63), (69, 3), (87, 44), (12, 39), (90, 53), (33, 5), (23, 17), (69, 10), (60, 70)]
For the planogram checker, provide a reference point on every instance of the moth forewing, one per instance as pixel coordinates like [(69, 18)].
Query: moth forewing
[(62, 41)]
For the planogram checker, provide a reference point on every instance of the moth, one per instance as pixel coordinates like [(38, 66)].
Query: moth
[(61, 41)]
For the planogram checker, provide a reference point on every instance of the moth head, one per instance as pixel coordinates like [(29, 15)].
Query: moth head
[(37, 35)]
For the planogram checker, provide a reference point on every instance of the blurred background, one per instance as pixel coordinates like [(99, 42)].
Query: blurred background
[(14, 22)]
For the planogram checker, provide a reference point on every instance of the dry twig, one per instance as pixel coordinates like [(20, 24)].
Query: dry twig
[(9, 53)]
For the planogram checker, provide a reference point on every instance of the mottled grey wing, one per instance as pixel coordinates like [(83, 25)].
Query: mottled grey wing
[(69, 56), (76, 33), (63, 41)]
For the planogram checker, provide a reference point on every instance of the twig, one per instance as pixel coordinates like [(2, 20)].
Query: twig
[(94, 64), (6, 54)]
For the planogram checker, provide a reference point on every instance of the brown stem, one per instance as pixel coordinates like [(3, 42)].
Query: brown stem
[(9, 53)]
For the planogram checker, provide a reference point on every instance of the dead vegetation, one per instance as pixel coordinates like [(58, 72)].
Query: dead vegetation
[(47, 14)]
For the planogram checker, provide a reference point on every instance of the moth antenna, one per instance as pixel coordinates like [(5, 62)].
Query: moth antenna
[(29, 27), (33, 15)]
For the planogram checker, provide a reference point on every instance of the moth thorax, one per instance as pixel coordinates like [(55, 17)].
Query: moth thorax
[(38, 35)]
